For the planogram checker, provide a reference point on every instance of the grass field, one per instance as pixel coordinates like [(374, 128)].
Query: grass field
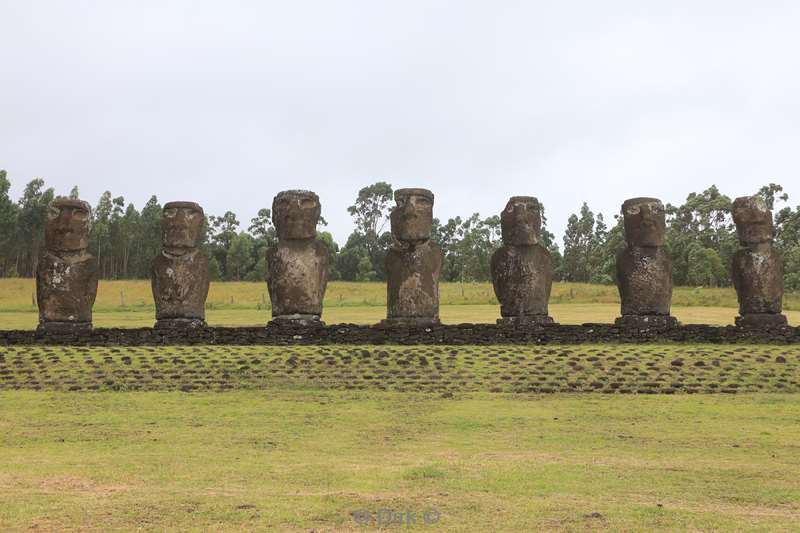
[(130, 304), (306, 460), (334, 438), (677, 368)]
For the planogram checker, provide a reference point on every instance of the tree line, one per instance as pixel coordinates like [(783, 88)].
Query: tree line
[(701, 239)]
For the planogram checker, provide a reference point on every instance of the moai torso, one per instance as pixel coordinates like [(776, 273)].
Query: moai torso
[(66, 288), (413, 263), (180, 285), (758, 279), (180, 272), (298, 264), (298, 276), (644, 269), (757, 265), (413, 281), (522, 271), (522, 277), (644, 277), (66, 277)]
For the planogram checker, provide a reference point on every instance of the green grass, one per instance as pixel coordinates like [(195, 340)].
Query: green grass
[(304, 459), (624, 368)]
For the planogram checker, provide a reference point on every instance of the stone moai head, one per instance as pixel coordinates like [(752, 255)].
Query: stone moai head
[(753, 220), (295, 214), (67, 228), (521, 221), (181, 224), (412, 217), (645, 222)]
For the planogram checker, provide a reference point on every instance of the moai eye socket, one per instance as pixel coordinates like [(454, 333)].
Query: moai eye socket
[(401, 202), (53, 213), (632, 210), (422, 201), (308, 203), (80, 214), (656, 208), (190, 214), (170, 212)]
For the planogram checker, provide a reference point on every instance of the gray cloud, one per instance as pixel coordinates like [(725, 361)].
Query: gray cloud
[(228, 103)]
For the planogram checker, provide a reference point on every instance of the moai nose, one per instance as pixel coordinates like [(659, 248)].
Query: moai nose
[(647, 213), (62, 222)]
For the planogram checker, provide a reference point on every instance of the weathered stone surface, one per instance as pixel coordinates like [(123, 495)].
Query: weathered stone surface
[(644, 269), (66, 277), (180, 272), (761, 320), (522, 271), (298, 264), (413, 262), (655, 322), (452, 335), (757, 265)]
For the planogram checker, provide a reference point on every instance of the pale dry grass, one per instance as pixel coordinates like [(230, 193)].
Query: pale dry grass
[(130, 304)]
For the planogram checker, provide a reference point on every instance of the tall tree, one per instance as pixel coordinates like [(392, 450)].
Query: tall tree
[(239, 258), (704, 218), (30, 225), (579, 244), (370, 213), (8, 221), (371, 210)]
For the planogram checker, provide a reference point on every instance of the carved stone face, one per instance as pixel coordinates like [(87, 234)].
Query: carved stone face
[(412, 217), (67, 228), (753, 220), (521, 221), (295, 214), (181, 224), (645, 222)]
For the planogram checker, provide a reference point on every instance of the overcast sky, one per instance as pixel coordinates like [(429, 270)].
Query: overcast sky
[(227, 103)]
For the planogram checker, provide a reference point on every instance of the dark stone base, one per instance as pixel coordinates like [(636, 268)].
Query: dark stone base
[(410, 322), (296, 320), (527, 320), (646, 322), (64, 327), (180, 323), (450, 335), (761, 320)]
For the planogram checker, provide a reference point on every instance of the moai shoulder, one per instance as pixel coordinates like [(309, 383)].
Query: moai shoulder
[(66, 277), (298, 263), (522, 271)]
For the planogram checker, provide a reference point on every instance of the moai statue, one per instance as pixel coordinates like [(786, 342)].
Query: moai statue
[(180, 271), (413, 262), (757, 266), (522, 272), (66, 278), (644, 269), (298, 264)]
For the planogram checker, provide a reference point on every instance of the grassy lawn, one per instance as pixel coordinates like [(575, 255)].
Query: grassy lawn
[(252, 438), (305, 459), (623, 368)]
